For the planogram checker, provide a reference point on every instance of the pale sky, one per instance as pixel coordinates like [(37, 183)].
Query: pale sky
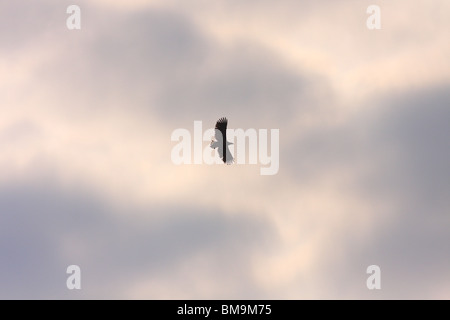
[(86, 176)]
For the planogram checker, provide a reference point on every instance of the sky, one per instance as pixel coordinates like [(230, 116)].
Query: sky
[(87, 179)]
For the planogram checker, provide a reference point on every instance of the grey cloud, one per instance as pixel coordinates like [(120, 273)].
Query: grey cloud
[(403, 144), (412, 252), (160, 62), (417, 126), (415, 249), (118, 248), (21, 22), (248, 83), (410, 129)]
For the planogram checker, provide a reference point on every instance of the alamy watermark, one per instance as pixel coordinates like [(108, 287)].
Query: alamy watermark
[(74, 280), (374, 280), (229, 147), (373, 22), (73, 22)]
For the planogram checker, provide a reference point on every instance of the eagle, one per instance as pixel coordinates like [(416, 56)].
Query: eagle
[(221, 142)]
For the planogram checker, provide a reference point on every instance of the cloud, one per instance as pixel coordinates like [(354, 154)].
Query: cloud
[(417, 128), (415, 125), (29, 22), (158, 62), (395, 159), (363, 166), (44, 230)]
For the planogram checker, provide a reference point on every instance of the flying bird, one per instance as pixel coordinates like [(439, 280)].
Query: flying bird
[(221, 142)]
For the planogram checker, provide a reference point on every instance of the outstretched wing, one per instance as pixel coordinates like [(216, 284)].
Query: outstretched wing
[(221, 130), (228, 159), (221, 137)]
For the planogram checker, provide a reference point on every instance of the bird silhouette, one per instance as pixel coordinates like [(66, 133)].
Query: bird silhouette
[(221, 142)]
